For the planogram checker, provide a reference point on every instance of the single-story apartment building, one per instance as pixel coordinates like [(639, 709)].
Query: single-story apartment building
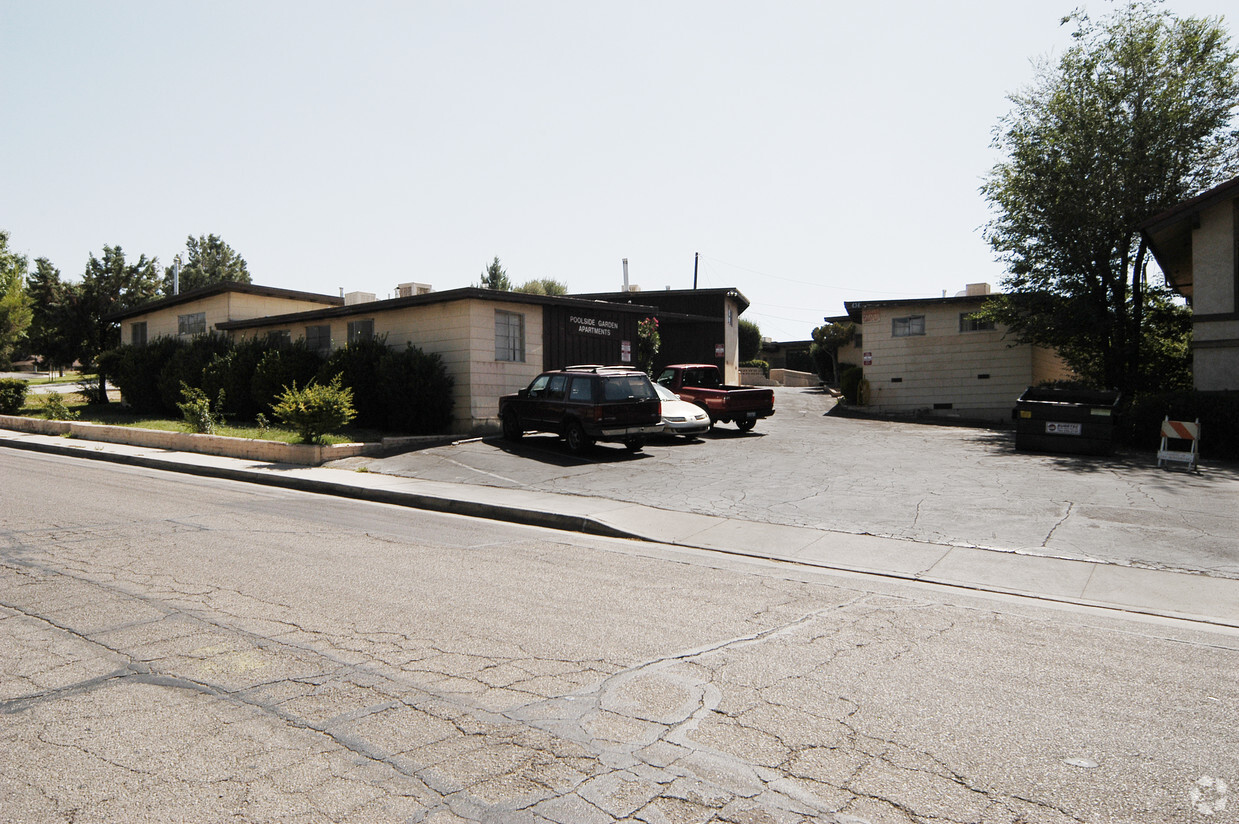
[(1196, 244), (492, 343), (937, 356)]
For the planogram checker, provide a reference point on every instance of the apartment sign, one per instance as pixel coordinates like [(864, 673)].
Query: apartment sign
[(592, 326)]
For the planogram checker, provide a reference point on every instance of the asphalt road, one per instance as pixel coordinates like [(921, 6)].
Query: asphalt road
[(179, 649), (960, 486)]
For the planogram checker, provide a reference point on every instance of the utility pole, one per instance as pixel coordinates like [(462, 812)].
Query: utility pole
[(695, 256)]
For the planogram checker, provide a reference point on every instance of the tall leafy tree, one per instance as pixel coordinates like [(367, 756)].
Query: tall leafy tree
[(749, 335), (55, 333), (208, 260), (14, 304), (824, 350), (496, 277), (542, 286), (111, 284), (1135, 117)]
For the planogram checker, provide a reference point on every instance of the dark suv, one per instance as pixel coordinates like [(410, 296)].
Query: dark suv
[(583, 404)]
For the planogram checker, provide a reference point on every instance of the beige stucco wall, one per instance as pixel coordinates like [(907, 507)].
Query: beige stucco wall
[(1215, 343), (731, 342), (1213, 261), (911, 374)]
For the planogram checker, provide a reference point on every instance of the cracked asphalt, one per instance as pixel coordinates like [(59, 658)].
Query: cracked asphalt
[(959, 486), (176, 648)]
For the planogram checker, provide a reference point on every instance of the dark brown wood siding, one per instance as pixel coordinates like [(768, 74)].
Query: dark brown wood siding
[(572, 335)]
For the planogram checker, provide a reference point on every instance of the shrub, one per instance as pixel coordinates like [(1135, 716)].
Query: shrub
[(849, 384), (135, 371), (186, 365), (54, 408), (12, 395), (232, 373), (358, 366), (758, 364), (280, 368), (198, 412), (315, 410), (417, 391)]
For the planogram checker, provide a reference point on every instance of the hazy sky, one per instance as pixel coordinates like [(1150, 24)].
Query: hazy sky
[(811, 152)]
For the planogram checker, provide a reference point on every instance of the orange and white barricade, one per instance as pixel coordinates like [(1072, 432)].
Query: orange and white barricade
[(1182, 431)]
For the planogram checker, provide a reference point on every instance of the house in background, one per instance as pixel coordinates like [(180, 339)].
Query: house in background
[(1196, 244), (936, 356)]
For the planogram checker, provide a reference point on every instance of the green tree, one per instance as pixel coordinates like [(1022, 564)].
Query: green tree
[(1134, 117), (112, 285), (14, 304), (496, 277), (542, 286), (208, 260), (827, 339), (750, 340), (53, 335)]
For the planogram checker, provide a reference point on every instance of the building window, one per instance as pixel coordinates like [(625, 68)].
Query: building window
[(907, 327), (359, 330), (974, 322), (509, 336), (280, 338), (194, 324), (137, 334), (318, 339)]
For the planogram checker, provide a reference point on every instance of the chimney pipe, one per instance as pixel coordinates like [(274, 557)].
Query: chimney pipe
[(625, 274)]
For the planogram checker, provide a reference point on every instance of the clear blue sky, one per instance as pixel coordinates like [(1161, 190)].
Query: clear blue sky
[(812, 152)]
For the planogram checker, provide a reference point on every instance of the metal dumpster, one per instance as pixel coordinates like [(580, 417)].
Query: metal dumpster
[(1078, 421)]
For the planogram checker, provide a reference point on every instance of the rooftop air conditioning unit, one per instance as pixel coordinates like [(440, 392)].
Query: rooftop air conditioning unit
[(408, 290), (353, 298)]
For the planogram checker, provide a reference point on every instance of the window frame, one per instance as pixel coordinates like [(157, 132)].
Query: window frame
[(191, 323), (318, 342), (134, 338), (509, 336), (357, 330), (968, 323), (908, 324)]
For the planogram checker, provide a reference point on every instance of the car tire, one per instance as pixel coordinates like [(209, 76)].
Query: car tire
[(512, 429), (576, 439), (634, 444), (745, 424)]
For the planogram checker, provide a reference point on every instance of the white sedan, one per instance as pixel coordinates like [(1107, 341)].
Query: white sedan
[(681, 417)]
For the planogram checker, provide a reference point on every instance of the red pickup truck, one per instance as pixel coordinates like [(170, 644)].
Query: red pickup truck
[(701, 383)]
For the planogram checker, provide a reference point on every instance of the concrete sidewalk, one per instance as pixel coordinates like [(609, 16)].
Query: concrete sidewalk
[(1144, 591)]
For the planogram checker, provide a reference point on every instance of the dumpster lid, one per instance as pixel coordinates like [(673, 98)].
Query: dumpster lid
[(1069, 395)]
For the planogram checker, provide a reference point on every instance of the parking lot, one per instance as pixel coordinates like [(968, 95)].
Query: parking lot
[(955, 485)]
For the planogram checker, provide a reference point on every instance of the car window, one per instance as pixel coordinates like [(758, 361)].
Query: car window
[(664, 393), (556, 388), (582, 390), (628, 386), (667, 376), (538, 386)]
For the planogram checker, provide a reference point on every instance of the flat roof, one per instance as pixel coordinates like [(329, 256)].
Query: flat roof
[(219, 289), (430, 298)]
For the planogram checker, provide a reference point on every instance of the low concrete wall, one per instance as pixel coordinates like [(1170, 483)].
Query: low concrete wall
[(753, 376), (256, 450), (790, 377)]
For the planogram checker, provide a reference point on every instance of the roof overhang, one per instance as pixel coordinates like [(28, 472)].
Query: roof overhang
[(1169, 234)]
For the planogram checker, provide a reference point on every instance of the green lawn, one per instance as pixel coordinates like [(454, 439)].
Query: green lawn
[(114, 414)]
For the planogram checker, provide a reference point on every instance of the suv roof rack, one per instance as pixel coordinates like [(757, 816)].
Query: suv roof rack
[(597, 367)]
